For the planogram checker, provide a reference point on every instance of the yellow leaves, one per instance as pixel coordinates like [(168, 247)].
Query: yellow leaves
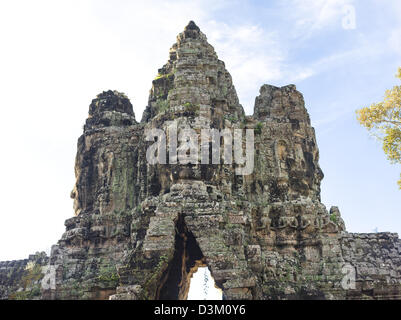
[(385, 114), (371, 116), (392, 144), (384, 119)]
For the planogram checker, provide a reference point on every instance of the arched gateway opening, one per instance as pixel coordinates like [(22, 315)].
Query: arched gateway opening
[(203, 286), (188, 258)]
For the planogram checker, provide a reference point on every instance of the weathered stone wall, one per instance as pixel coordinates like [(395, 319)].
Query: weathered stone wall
[(21, 279), (142, 230), (376, 258)]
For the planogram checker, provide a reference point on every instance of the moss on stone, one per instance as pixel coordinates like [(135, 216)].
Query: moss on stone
[(160, 76), (109, 276), (30, 283), (334, 218), (162, 105), (258, 128)]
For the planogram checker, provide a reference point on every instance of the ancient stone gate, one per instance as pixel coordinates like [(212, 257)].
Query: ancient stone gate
[(141, 230)]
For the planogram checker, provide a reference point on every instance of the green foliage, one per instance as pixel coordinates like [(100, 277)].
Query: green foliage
[(163, 260), (192, 107), (334, 218), (22, 295), (232, 226), (159, 76), (30, 282), (383, 120), (258, 128), (231, 118), (162, 105), (160, 95), (33, 275), (152, 282), (109, 276), (35, 292)]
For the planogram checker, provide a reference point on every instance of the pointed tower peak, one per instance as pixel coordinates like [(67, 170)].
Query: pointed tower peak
[(193, 78), (192, 26), (191, 31)]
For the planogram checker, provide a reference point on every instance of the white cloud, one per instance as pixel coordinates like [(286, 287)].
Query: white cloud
[(252, 56), (312, 16), (329, 115)]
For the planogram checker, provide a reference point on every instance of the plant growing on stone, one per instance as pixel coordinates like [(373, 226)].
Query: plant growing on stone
[(258, 128), (383, 120), (162, 105)]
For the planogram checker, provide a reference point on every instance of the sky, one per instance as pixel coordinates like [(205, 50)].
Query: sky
[(56, 56), (202, 286)]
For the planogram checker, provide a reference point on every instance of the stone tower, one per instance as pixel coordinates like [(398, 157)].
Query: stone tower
[(141, 230)]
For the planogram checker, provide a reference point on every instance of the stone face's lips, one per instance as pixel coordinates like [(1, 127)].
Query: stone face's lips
[(140, 231)]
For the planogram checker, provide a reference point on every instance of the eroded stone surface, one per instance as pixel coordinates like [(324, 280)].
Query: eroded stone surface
[(142, 230), (21, 279)]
